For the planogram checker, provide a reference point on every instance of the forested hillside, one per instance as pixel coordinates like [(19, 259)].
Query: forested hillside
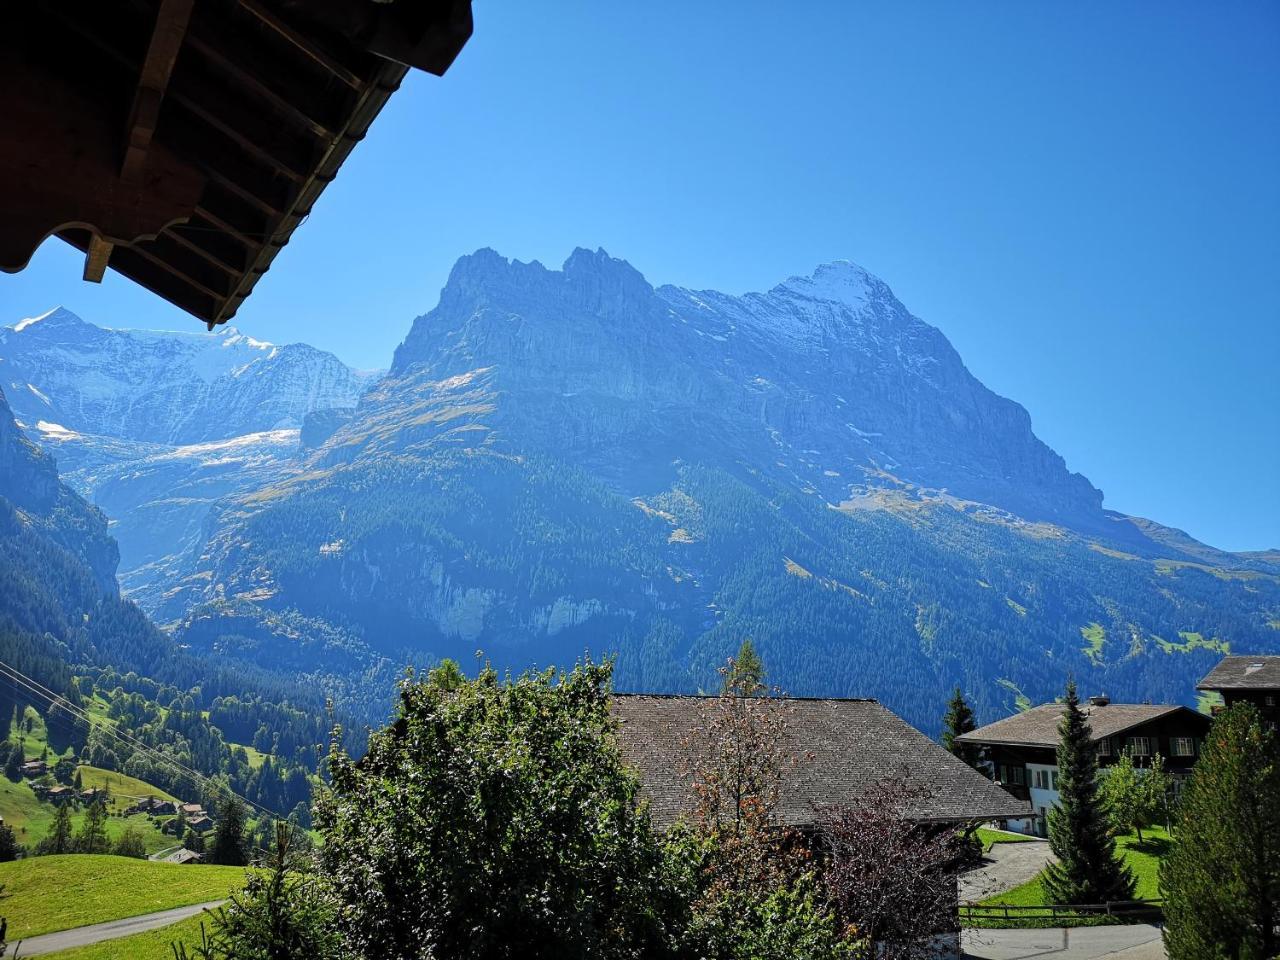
[(72, 649)]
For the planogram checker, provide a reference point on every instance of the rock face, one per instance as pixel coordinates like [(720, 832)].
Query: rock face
[(825, 380), (568, 460), (155, 427), (32, 496)]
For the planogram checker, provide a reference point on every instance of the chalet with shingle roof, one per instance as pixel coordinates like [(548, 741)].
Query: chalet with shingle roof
[(848, 746), (1022, 749), (1247, 679)]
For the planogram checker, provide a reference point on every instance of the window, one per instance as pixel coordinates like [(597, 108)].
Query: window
[(1271, 700), (1140, 746), (1053, 779), (1019, 775), (1184, 747), (1104, 748)]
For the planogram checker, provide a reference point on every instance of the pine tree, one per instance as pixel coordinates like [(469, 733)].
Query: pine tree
[(59, 839), (1088, 870), (1221, 878), (92, 837), (745, 676), (958, 720), (9, 848), (79, 782), (229, 845)]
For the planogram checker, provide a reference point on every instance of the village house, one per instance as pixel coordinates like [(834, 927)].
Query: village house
[(200, 824), (192, 810), (183, 856), (93, 794), (1248, 679), (847, 746), (1022, 749), (33, 768), (59, 794)]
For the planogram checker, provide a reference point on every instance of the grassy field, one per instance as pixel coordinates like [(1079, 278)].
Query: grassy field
[(30, 818), (43, 894), (1143, 859), (989, 837), (124, 790), (152, 945)]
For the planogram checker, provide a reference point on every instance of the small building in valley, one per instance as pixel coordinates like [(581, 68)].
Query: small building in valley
[(34, 768), (847, 746), (183, 856), (201, 824), (1247, 679), (1022, 749)]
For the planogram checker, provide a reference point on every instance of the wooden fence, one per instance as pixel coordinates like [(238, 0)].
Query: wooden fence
[(1123, 911)]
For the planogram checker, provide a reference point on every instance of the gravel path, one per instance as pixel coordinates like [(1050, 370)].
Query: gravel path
[(97, 932), (1005, 867)]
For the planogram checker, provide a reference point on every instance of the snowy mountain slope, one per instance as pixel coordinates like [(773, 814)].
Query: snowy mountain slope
[(155, 427), (162, 387)]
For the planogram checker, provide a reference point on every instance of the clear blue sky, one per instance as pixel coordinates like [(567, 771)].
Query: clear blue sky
[(1085, 197)]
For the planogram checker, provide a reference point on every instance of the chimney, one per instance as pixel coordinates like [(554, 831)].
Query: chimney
[(1100, 700)]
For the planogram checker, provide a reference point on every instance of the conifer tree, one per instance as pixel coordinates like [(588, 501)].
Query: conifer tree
[(59, 839), (229, 846), (92, 837), (1221, 878), (1088, 870), (745, 675), (958, 720)]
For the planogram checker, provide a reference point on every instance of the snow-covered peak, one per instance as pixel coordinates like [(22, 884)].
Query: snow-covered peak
[(56, 315), (841, 281), (162, 386)]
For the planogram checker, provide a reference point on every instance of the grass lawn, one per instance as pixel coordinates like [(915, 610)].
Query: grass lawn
[(43, 894), (1143, 859), (988, 837)]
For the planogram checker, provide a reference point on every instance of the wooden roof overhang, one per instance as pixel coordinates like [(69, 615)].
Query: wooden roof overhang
[(181, 142)]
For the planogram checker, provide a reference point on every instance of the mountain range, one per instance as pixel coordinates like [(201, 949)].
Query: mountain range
[(562, 460), (154, 427)]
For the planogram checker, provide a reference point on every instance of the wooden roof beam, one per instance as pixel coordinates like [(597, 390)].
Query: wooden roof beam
[(166, 40), (303, 44)]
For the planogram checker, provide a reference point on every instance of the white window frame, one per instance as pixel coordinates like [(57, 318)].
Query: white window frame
[(1104, 747), (1145, 744), (1183, 746)]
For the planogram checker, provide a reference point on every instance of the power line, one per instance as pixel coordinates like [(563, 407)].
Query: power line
[(199, 780)]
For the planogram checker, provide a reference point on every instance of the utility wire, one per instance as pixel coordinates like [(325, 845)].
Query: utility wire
[(199, 780)]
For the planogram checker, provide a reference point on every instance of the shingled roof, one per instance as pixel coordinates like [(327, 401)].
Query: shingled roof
[(853, 744), (1038, 727), (1243, 673)]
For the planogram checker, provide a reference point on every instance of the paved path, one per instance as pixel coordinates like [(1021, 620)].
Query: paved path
[(1130, 942), (1005, 867), (97, 932)]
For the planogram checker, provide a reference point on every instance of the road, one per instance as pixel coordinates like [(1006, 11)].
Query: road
[(1130, 942), (97, 932)]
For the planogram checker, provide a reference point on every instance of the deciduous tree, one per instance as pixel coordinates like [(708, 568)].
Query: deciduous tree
[(496, 818), (1134, 797), (892, 879)]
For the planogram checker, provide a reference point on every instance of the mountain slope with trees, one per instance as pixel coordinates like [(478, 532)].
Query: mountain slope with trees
[(569, 460)]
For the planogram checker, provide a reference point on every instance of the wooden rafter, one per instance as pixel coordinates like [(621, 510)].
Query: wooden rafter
[(166, 40), (302, 44), (95, 260)]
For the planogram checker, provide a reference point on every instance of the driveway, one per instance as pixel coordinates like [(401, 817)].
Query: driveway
[(97, 932), (1005, 867), (1131, 942)]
